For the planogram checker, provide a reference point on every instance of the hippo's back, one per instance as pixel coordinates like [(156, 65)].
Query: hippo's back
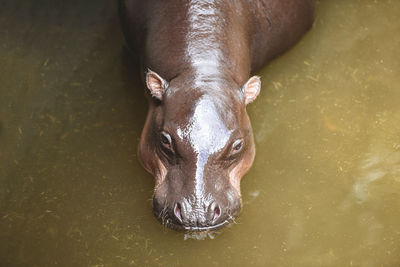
[(272, 26), (276, 26)]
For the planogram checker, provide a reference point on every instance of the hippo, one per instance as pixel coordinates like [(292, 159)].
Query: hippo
[(197, 58)]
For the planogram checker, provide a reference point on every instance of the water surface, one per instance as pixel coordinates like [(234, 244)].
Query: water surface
[(324, 189)]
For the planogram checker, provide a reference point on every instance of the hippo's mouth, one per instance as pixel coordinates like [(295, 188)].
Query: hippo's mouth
[(204, 228), (182, 228)]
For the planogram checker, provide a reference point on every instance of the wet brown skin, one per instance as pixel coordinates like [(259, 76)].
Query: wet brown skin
[(198, 56)]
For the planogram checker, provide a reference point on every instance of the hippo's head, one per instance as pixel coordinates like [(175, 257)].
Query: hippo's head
[(197, 142)]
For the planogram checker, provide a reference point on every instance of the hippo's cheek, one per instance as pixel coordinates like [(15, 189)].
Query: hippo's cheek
[(236, 174), (160, 173), (234, 179)]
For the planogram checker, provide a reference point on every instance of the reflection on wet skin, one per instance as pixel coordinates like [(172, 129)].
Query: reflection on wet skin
[(324, 189)]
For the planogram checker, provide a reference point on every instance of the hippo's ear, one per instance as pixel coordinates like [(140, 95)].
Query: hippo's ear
[(156, 84), (251, 89)]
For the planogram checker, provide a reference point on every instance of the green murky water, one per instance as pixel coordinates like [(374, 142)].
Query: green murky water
[(324, 189)]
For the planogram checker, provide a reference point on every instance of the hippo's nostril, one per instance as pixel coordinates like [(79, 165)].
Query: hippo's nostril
[(178, 211), (217, 211)]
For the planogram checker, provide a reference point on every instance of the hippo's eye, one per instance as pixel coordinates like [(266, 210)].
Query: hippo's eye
[(235, 150), (237, 146), (166, 141)]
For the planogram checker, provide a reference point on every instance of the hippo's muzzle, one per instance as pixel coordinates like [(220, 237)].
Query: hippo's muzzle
[(194, 215)]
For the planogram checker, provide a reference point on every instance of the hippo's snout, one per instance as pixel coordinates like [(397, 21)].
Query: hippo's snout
[(196, 214), (199, 216)]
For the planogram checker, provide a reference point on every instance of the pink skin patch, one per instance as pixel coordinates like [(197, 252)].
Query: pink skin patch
[(160, 173), (237, 173)]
